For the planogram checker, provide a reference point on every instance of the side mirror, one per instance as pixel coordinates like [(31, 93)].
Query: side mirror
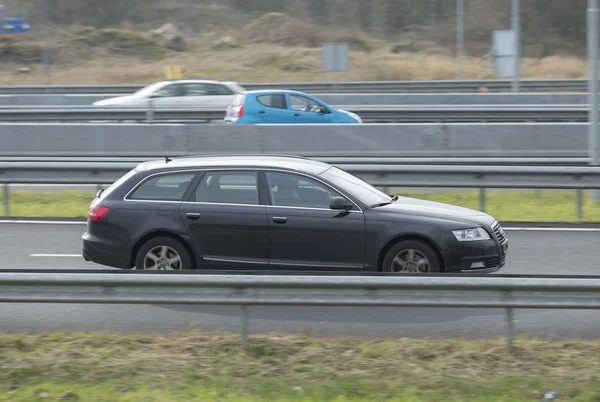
[(323, 110), (340, 203)]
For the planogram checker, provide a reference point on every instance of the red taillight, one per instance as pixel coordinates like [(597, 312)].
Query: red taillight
[(240, 112), (228, 109), (97, 213)]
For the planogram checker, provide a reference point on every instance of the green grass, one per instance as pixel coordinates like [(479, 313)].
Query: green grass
[(544, 206), (212, 367)]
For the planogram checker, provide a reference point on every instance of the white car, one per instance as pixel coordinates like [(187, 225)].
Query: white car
[(179, 93)]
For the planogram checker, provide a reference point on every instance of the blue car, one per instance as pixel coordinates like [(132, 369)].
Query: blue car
[(284, 107)]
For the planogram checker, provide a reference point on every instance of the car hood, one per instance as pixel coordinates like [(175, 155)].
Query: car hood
[(434, 209)]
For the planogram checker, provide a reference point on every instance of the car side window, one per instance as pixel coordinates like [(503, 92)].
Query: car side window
[(228, 188), (218, 90), (292, 190), (196, 90), (304, 104), (170, 91), (166, 187), (276, 101)]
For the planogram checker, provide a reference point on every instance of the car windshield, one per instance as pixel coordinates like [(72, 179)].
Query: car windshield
[(355, 187)]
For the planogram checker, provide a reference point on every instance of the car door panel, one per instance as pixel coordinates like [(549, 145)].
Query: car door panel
[(309, 239), (226, 221), (225, 235), (304, 233)]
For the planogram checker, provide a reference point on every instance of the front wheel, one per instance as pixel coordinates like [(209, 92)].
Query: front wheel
[(412, 257), (163, 254)]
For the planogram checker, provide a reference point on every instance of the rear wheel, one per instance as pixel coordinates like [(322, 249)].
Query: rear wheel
[(412, 257), (163, 254)]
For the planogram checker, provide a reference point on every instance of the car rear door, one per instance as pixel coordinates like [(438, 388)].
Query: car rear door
[(226, 220), (304, 233)]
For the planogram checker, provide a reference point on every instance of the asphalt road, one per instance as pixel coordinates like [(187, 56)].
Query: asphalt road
[(537, 252)]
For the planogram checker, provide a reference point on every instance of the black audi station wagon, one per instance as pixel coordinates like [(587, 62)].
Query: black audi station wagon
[(279, 213)]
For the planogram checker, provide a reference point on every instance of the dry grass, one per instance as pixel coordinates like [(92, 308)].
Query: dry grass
[(324, 368), (272, 63)]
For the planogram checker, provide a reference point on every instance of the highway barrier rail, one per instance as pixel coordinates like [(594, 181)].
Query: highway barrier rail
[(369, 114), (442, 176), (341, 100), (449, 291), (437, 86)]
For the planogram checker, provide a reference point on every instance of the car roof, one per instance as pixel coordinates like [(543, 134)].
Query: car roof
[(272, 91), (194, 82), (292, 163)]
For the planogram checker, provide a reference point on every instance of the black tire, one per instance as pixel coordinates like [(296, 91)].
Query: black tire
[(423, 248), (173, 244)]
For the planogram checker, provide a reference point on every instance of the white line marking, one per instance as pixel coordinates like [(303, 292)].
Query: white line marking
[(44, 222), (56, 255), (533, 229)]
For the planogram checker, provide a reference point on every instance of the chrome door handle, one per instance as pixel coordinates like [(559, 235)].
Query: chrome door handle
[(279, 219)]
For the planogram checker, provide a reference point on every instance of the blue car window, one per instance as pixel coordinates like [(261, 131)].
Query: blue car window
[(272, 100), (304, 104)]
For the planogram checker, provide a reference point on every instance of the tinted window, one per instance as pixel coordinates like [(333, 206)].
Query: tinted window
[(275, 100), (304, 104), (218, 90), (228, 188), (298, 191), (166, 187), (171, 90), (196, 90)]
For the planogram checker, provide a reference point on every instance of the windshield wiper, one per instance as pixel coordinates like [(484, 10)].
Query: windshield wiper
[(381, 204)]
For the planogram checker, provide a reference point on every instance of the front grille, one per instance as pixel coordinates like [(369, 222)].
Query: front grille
[(498, 232), (493, 263)]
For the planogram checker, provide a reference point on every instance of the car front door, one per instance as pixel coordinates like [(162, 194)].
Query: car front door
[(226, 220), (306, 110), (304, 232)]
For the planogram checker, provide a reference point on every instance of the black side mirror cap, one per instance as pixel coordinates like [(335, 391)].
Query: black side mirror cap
[(340, 203)]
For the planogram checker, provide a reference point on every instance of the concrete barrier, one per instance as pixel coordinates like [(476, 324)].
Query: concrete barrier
[(373, 140)]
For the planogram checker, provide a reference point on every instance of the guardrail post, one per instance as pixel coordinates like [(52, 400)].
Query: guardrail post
[(579, 204), (244, 322), (482, 199), (511, 329), (5, 191), (150, 111)]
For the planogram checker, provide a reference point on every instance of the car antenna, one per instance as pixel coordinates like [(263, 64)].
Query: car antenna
[(167, 159)]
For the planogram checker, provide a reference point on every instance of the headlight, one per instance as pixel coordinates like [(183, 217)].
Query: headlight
[(474, 234)]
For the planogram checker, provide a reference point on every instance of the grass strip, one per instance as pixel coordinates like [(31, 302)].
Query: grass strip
[(544, 206), (193, 366)]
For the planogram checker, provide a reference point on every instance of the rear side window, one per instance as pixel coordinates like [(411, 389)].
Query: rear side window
[(228, 188), (218, 90), (274, 100), (166, 187), (118, 183)]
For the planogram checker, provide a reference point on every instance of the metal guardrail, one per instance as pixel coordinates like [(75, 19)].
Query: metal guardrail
[(272, 290), (443, 176), (369, 114), (345, 160), (437, 86)]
